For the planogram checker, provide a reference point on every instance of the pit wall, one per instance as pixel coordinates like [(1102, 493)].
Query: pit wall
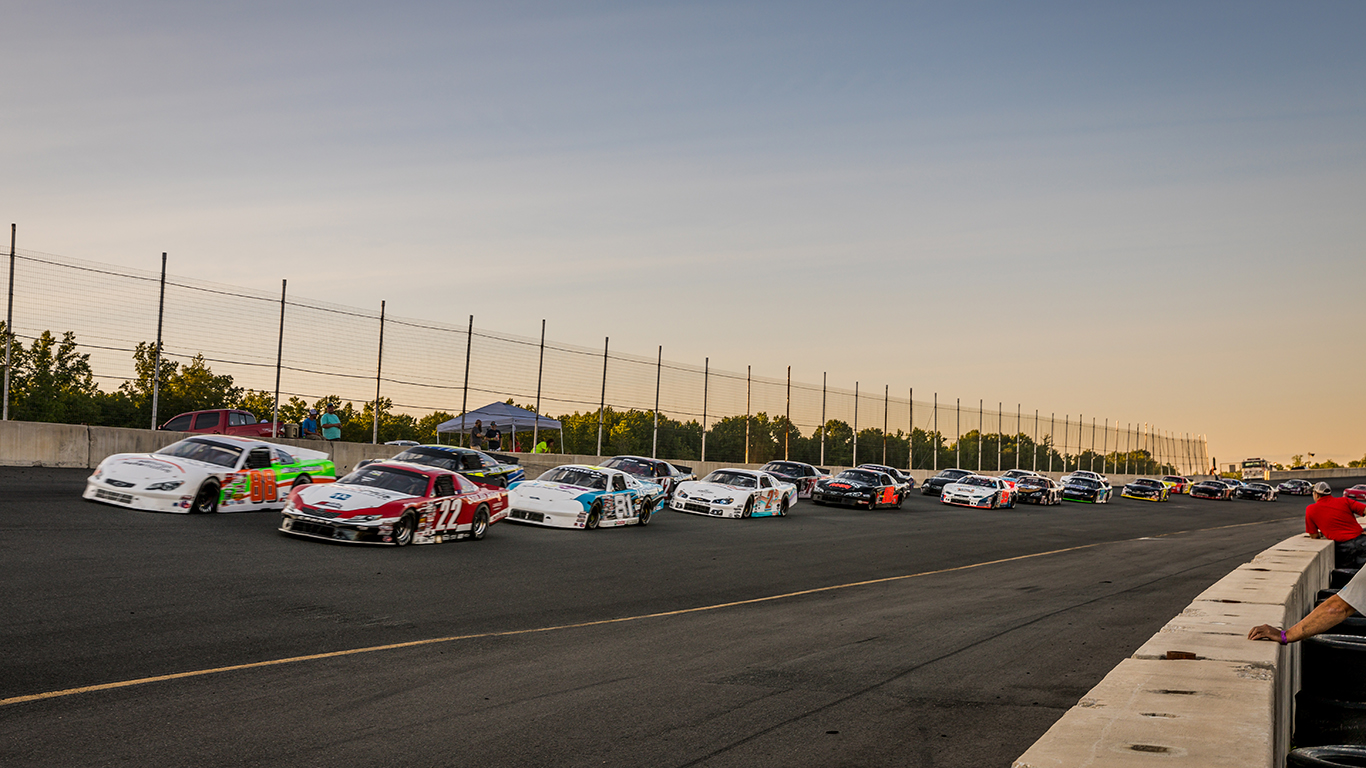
[(37, 444), (1199, 693)]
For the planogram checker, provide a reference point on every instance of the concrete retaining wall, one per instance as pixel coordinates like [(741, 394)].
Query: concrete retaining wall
[(1199, 693)]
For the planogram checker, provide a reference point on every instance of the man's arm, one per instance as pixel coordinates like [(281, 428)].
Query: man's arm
[(1329, 614)]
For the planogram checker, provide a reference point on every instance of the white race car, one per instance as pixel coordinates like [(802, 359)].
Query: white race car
[(208, 473), (580, 496), (1087, 474), (735, 493), (979, 491)]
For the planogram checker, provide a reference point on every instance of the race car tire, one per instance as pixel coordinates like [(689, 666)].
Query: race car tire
[(404, 530), (1326, 757), (480, 527), (995, 502), (646, 510), (206, 500), (788, 502), (301, 481), (749, 508), (898, 502), (594, 517)]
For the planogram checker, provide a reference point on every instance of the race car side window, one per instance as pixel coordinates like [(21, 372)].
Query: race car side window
[(618, 482), (464, 485), (283, 457), (179, 423), (259, 458), (764, 482), (445, 486), (471, 461)]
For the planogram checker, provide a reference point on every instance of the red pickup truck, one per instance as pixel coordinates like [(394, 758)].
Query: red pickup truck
[(220, 421)]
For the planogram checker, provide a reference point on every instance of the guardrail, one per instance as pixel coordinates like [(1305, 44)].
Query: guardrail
[(1199, 693)]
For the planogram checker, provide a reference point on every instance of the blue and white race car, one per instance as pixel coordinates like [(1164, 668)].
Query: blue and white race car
[(735, 493), (581, 496)]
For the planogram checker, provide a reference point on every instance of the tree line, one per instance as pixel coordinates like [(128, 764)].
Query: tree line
[(51, 381)]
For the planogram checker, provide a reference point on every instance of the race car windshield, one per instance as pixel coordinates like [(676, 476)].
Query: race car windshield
[(722, 477), (576, 476), (1173, 479), (954, 474), (390, 479), (858, 476), (1259, 486), (783, 468), (206, 451), (1148, 483), (432, 457), (978, 481), (1084, 482), (631, 467)]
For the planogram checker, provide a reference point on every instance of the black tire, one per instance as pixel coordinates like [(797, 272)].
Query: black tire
[(206, 500), (301, 481), (1334, 667), (647, 509), (899, 499), (749, 508), (1340, 576), (1321, 721), (404, 529), (594, 517), (480, 527), (1326, 757), (995, 502)]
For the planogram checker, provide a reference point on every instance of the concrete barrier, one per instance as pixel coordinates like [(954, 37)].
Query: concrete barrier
[(30, 444), (1199, 693)]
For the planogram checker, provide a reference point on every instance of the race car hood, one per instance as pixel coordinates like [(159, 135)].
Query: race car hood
[(970, 491), (552, 492), (143, 468), (348, 500), (705, 491), (840, 483)]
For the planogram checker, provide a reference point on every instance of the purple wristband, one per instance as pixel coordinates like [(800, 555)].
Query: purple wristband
[(1283, 640)]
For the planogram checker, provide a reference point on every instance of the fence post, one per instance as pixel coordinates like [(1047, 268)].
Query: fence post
[(9, 320), (706, 379), (980, 431), (910, 430), (1000, 432), (1066, 435), (1052, 434), (1035, 467), (958, 438), (787, 428), (659, 370), (465, 398), (602, 404), (934, 444), (886, 401), (156, 358), (854, 461), (823, 375), (379, 367), (748, 370), (540, 369), (279, 361)]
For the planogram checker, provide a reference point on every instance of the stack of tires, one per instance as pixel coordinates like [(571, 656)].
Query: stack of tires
[(1330, 709)]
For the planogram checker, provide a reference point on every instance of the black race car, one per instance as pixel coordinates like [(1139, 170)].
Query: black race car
[(905, 481), (476, 465), (1037, 489), (1255, 492), (1210, 489), (857, 488), (1146, 489), (656, 471), (799, 473), (1296, 488), (1086, 490), (935, 485)]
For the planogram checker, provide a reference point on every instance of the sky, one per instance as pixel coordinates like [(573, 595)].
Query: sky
[(1147, 210)]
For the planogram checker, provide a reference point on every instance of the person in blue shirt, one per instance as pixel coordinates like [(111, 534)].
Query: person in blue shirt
[(309, 426), (331, 424)]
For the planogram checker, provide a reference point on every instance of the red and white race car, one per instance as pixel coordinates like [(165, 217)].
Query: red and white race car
[(395, 503)]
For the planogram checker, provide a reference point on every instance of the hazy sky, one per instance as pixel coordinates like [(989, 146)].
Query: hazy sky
[(1151, 211)]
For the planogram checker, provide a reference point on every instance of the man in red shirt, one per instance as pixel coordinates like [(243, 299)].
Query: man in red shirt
[(1336, 519)]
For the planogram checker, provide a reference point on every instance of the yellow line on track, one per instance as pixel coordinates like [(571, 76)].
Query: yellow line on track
[(601, 622)]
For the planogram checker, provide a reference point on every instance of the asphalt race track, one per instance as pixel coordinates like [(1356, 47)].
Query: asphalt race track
[(926, 636)]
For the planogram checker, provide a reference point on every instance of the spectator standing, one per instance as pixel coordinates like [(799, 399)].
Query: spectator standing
[(309, 426), (331, 424), (477, 436), (540, 447), (1336, 518), (494, 437)]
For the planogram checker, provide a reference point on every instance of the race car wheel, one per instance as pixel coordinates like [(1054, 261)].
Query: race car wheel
[(301, 481), (749, 508), (646, 511), (788, 502), (206, 501), (899, 499), (995, 502), (594, 517), (480, 528), (404, 529)]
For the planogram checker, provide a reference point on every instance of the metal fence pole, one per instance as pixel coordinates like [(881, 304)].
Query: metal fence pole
[(748, 378), (1052, 434), (659, 371), (1128, 431), (156, 358), (602, 404), (706, 379), (465, 398), (854, 461), (1019, 431), (279, 363), (379, 367), (886, 401), (1066, 435), (1105, 447), (980, 430), (1092, 462), (787, 428), (9, 321), (958, 437), (1035, 466), (823, 375), (1000, 432), (910, 430), (540, 369), (935, 441)]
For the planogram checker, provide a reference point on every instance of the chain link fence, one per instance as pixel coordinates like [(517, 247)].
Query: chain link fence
[(324, 349)]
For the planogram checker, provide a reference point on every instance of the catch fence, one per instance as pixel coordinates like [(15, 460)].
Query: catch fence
[(317, 349)]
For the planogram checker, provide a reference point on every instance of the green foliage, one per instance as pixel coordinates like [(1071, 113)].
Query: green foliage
[(50, 381)]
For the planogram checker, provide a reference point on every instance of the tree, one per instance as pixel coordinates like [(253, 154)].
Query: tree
[(52, 382)]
